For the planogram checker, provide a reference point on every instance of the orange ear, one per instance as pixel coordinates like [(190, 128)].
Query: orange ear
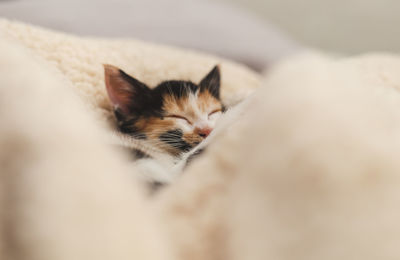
[(126, 93)]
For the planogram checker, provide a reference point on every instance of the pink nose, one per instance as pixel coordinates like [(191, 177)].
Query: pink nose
[(204, 132)]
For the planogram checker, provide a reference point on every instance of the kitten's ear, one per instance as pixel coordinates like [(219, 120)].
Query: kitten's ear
[(212, 82), (127, 94)]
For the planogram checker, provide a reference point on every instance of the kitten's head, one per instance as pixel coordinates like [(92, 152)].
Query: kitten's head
[(174, 116)]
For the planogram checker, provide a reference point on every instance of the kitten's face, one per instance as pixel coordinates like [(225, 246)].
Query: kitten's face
[(174, 116)]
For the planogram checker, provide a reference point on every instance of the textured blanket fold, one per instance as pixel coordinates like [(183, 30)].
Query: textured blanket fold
[(308, 171)]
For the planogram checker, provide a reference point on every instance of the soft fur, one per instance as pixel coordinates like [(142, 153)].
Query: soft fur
[(311, 170)]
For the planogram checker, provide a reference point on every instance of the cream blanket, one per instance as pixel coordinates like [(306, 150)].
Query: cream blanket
[(310, 171)]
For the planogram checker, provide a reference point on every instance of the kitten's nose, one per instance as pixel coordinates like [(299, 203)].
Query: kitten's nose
[(204, 132)]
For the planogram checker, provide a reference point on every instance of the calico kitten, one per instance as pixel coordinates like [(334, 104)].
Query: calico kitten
[(169, 119)]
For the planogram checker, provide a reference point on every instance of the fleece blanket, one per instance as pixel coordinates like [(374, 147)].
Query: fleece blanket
[(308, 171)]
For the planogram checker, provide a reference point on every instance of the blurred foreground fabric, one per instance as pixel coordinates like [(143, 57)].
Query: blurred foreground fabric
[(310, 171)]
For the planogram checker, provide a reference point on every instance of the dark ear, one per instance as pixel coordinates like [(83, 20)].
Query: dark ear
[(212, 82), (127, 95)]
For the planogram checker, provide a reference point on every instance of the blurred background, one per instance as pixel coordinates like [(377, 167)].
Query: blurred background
[(254, 32), (347, 26)]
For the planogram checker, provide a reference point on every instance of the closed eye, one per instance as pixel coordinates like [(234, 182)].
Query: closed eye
[(215, 111), (179, 117)]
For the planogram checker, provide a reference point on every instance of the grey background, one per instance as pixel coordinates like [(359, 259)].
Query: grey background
[(255, 32), (210, 26), (349, 26)]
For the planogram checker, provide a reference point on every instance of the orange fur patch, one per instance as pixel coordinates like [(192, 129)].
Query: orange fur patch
[(208, 102), (181, 106)]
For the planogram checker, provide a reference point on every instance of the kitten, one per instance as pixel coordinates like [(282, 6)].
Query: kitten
[(164, 122)]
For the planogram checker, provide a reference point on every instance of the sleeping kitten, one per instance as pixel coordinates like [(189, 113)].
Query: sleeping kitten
[(164, 122)]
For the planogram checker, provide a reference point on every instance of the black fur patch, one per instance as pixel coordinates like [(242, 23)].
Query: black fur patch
[(175, 88), (165, 137), (174, 139), (184, 146)]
